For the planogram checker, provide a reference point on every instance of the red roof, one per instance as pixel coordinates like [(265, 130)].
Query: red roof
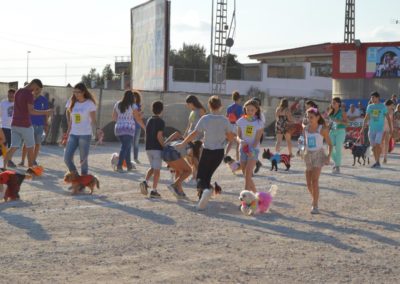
[(317, 49)]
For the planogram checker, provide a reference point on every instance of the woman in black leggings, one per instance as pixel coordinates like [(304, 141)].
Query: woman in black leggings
[(216, 129)]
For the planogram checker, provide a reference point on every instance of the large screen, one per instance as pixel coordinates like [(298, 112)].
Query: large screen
[(149, 45), (383, 62)]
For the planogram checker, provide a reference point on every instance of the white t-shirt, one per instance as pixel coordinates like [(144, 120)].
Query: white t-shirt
[(249, 129), (6, 109), (80, 118), (356, 113)]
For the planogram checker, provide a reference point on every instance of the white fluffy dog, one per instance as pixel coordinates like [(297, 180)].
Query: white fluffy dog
[(114, 162), (256, 203)]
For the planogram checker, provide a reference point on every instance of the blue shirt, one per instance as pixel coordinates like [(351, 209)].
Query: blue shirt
[(377, 115), (235, 109), (40, 103)]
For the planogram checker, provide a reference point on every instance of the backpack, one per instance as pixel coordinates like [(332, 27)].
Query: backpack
[(232, 117)]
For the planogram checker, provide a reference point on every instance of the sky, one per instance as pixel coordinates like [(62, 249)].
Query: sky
[(66, 38)]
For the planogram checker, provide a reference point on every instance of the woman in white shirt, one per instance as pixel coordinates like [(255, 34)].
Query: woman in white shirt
[(81, 116)]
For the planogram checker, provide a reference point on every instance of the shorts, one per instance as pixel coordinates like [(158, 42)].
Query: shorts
[(22, 134), (169, 154), (38, 133), (154, 157), (315, 159), (375, 137), (245, 158)]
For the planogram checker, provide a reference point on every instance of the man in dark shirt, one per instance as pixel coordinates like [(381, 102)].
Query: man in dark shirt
[(154, 145)]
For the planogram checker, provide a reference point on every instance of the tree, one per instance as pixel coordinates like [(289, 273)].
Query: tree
[(94, 77)]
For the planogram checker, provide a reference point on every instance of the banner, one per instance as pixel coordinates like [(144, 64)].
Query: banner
[(383, 62)]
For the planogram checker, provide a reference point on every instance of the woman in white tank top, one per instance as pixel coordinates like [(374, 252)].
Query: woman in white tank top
[(315, 158)]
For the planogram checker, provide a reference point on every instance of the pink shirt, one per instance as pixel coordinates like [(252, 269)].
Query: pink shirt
[(21, 116)]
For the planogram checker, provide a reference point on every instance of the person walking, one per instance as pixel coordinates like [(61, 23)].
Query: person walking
[(233, 113), (217, 129), (387, 134), (138, 130), (81, 115), (337, 133), (6, 110), (375, 116), (40, 126), (21, 124), (283, 117), (127, 118), (315, 132)]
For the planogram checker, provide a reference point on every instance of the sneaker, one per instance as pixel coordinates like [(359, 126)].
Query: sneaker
[(378, 165), (174, 190), (144, 188), (385, 160), (34, 163), (137, 161), (205, 197), (337, 170), (131, 168), (258, 166), (314, 210), (182, 195), (334, 170), (11, 164), (154, 194), (119, 170), (21, 164)]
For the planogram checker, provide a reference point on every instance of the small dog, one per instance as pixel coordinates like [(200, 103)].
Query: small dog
[(276, 159), (35, 171), (13, 180), (300, 147), (114, 162), (79, 182), (256, 203), (233, 165), (358, 151)]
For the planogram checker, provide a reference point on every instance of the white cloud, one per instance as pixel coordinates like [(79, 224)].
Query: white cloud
[(381, 33)]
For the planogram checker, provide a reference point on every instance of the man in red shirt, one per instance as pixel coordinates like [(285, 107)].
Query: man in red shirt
[(21, 125)]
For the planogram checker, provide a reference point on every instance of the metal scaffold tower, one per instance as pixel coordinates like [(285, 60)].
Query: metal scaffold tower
[(223, 41), (349, 22)]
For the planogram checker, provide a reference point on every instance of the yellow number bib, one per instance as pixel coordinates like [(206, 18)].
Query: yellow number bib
[(249, 130), (77, 118)]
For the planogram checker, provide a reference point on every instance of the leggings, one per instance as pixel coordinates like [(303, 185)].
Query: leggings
[(337, 137), (209, 162)]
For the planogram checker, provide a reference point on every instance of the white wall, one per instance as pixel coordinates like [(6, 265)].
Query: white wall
[(308, 87)]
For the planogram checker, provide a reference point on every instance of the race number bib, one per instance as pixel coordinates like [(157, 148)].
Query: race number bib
[(77, 118), (311, 142), (249, 130)]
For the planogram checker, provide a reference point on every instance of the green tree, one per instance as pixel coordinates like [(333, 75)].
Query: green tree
[(93, 76)]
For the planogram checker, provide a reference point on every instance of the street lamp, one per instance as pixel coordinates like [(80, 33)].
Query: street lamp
[(27, 66)]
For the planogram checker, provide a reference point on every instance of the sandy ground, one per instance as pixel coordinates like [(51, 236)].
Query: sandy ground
[(119, 236)]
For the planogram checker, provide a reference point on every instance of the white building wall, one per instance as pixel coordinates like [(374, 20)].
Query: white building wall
[(317, 87)]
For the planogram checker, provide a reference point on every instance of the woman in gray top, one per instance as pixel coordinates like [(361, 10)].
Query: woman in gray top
[(216, 129)]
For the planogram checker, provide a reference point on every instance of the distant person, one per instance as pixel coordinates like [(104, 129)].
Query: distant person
[(375, 118), (394, 99), (197, 110), (361, 109), (7, 109), (283, 117), (353, 113), (308, 104), (127, 118), (387, 134), (233, 113), (154, 144), (337, 133), (21, 125), (81, 114), (40, 127), (139, 121), (396, 123)]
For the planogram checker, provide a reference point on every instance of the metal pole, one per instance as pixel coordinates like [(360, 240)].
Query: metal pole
[(211, 48), (27, 66)]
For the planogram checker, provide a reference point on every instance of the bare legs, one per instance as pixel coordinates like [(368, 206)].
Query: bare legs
[(312, 179)]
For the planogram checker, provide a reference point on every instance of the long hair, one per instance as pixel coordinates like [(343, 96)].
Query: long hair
[(127, 101), (191, 99), (86, 94), (339, 101), (316, 112), (284, 104), (137, 97), (255, 104)]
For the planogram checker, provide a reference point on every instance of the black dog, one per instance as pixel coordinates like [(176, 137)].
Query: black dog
[(358, 151), (276, 159)]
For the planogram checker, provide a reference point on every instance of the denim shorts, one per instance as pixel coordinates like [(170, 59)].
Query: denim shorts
[(169, 154), (38, 133), (154, 157), (22, 134), (375, 137), (244, 157)]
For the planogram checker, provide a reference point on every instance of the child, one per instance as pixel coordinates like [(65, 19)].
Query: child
[(314, 133), (233, 113), (250, 129), (154, 146)]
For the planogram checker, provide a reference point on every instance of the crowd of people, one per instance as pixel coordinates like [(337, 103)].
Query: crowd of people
[(207, 140)]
